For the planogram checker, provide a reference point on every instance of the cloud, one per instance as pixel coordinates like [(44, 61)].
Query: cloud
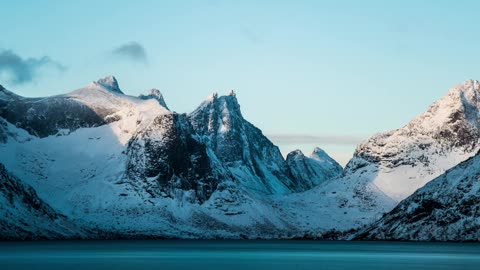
[(18, 70), (313, 139), (133, 51)]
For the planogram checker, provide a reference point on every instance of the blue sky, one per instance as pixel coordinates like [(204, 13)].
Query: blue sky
[(308, 73)]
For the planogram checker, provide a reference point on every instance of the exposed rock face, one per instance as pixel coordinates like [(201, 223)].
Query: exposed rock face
[(170, 159), (313, 170), (446, 209), (241, 147), (24, 215)]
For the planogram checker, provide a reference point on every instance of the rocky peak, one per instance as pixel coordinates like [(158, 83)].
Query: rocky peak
[(155, 94), (241, 146), (295, 154), (217, 114), (110, 83)]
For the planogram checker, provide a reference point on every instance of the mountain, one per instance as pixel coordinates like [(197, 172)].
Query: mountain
[(155, 94), (251, 158), (24, 215), (313, 170), (92, 106), (407, 158), (166, 158), (128, 166), (390, 166), (445, 209)]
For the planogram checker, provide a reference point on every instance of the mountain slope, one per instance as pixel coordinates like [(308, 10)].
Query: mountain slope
[(446, 209), (24, 215)]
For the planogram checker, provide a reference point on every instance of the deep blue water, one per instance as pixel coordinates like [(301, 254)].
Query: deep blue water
[(231, 255)]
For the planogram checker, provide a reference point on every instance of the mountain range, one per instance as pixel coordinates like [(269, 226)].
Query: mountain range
[(97, 163)]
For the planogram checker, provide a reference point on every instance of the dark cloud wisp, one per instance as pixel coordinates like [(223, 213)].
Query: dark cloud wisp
[(23, 70), (132, 51), (312, 139)]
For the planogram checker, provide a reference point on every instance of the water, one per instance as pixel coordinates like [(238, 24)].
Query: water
[(232, 255)]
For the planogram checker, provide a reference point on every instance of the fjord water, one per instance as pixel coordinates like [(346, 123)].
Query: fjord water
[(233, 255)]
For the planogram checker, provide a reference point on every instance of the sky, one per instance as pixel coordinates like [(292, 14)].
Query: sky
[(308, 73)]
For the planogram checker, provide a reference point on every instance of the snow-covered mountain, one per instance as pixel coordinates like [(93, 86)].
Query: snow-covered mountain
[(129, 166), (407, 158), (117, 164), (390, 166), (445, 209)]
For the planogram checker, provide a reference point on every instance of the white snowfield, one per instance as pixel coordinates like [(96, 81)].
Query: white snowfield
[(81, 173)]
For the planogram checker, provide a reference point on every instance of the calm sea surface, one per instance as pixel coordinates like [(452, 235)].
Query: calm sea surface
[(231, 255)]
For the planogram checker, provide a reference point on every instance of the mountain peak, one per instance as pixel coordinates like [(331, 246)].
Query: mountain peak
[(295, 153), (320, 155), (155, 94), (461, 105), (110, 83), (212, 96), (318, 151)]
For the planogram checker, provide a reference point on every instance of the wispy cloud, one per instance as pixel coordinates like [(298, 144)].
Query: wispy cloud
[(133, 51), (314, 139), (18, 70)]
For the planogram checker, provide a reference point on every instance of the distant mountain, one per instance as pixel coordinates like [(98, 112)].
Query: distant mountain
[(445, 209), (129, 166), (313, 170)]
